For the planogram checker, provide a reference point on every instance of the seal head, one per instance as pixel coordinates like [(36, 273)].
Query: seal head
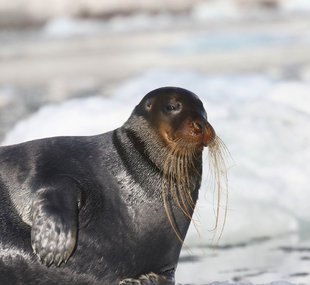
[(177, 115)]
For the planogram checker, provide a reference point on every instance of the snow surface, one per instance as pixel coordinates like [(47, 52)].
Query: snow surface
[(67, 26), (272, 283)]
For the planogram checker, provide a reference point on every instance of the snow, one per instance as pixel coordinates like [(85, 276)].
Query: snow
[(295, 6), (215, 10), (229, 283), (68, 26)]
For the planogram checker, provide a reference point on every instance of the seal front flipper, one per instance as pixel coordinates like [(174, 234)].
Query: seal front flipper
[(150, 279), (55, 219)]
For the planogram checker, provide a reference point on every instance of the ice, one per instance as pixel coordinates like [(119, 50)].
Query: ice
[(290, 94), (215, 10), (67, 26), (7, 96), (290, 6), (217, 41), (272, 283), (72, 117)]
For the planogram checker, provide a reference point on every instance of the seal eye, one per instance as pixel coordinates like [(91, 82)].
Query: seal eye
[(173, 107)]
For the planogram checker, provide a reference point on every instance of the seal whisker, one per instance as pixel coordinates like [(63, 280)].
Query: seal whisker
[(178, 188), (218, 172), (164, 195), (177, 167), (186, 175), (188, 156), (171, 171), (186, 180), (181, 187), (176, 183)]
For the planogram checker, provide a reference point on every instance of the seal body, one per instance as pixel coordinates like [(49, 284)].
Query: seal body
[(90, 210)]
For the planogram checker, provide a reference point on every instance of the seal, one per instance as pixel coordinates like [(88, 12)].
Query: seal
[(109, 209)]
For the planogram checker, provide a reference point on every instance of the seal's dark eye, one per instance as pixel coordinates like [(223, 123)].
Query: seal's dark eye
[(173, 107)]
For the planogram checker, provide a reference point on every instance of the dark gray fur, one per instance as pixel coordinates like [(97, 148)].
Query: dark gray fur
[(95, 202)]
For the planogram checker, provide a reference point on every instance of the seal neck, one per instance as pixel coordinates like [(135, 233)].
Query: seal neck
[(146, 140)]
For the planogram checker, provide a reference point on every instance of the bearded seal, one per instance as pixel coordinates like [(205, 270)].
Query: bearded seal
[(109, 209)]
